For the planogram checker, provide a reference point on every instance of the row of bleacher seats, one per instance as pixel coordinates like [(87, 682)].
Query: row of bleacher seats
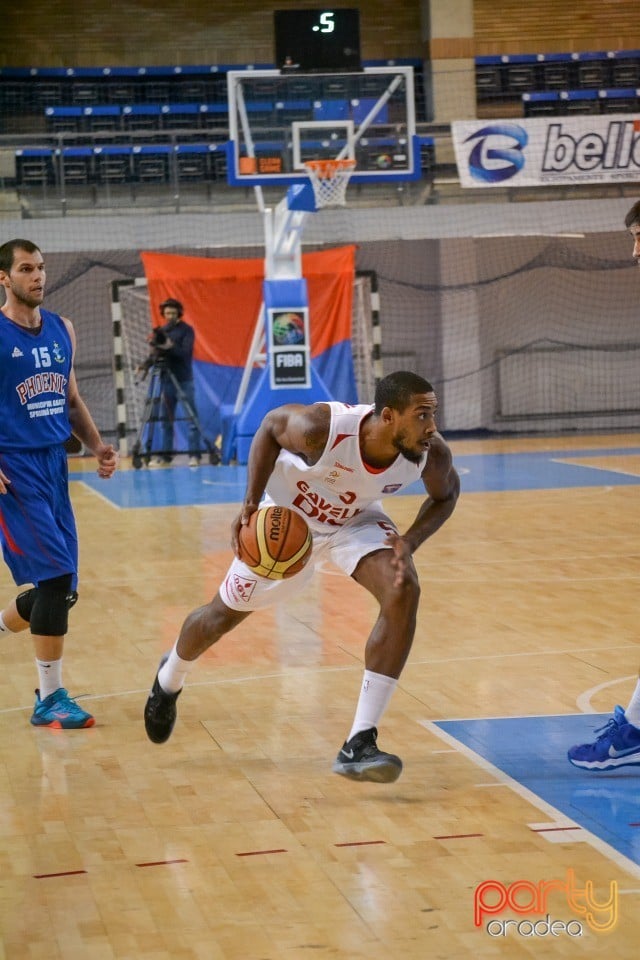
[(157, 117), (120, 163), (31, 90), (508, 77), (547, 103), (176, 162)]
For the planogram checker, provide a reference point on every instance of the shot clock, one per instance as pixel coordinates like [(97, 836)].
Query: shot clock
[(318, 40)]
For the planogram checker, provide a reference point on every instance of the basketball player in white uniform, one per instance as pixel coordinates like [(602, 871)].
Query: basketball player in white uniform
[(333, 463)]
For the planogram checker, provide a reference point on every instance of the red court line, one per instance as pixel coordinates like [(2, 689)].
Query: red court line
[(457, 836), (160, 863), (63, 873), (359, 843), (259, 853), (634, 824)]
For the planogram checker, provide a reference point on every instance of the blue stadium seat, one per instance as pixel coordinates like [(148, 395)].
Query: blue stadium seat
[(113, 163), (178, 116), (35, 166), (543, 103), (152, 163), (141, 116), (193, 161), (592, 70), (331, 110), (214, 116), (557, 70), (579, 101), (625, 68), (76, 165), (287, 111), (361, 108), (488, 77), (64, 119), (102, 118), (619, 100), (520, 74)]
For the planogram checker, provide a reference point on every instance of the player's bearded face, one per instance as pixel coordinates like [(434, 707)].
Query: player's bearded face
[(30, 298), (412, 453), (27, 279)]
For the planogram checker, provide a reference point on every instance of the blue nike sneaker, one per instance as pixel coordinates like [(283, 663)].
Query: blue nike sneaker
[(617, 745), (60, 711)]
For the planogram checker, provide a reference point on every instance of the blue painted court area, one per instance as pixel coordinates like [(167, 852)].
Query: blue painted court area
[(480, 473), (533, 752)]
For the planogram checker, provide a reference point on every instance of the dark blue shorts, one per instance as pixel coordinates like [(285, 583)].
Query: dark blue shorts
[(37, 526)]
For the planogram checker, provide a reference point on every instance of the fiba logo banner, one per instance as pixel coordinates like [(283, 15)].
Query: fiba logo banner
[(289, 350), (536, 152)]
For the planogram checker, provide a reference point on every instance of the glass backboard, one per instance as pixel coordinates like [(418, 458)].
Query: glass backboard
[(278, 119)]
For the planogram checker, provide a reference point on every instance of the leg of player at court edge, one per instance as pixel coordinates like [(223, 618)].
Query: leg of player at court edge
[(617, 742), (11, 621), (386, 653), (201, 629), (47, 605)]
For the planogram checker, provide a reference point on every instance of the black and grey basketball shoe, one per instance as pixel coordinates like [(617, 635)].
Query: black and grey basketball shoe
[(360, 759), (160, 711)]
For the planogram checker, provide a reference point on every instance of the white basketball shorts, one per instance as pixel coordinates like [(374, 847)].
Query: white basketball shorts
[(344, 546)]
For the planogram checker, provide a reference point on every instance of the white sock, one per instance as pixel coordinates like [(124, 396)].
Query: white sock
[(632, 712), (49, 676), (3, 627), (374, 697), (174, 672)]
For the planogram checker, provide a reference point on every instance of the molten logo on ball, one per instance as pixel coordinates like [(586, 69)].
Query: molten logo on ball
[(276, 543)]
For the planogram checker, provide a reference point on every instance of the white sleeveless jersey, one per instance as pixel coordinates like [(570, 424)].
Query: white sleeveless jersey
[(339, 486)]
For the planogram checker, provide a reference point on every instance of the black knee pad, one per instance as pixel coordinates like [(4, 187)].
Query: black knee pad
[(50, 611), (25, 602)]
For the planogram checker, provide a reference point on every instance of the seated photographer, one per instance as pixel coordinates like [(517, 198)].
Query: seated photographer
[(172, 351)]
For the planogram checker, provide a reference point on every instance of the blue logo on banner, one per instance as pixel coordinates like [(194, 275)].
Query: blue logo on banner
[(509, 158)]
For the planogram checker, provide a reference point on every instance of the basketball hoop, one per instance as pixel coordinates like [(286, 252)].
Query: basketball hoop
[(329, 179)]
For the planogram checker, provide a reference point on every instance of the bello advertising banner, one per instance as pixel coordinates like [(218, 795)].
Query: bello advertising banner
[(544, 151), (222, 299)]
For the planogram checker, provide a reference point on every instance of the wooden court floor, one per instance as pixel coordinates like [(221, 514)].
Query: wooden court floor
[(234, 841)]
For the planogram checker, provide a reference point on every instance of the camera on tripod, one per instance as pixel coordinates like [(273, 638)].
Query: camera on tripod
[(158, 338)]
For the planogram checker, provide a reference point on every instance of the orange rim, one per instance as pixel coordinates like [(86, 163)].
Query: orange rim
[(327, 169)]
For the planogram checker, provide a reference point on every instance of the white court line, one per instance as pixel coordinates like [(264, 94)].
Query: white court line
[(102, 496), (591, 466), (583, 702), (551, 812)]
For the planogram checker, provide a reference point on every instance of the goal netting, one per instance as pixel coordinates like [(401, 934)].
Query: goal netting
[(135, 326), (522, 315)]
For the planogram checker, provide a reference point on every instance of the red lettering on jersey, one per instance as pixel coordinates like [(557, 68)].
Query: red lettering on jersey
[(316, 508)]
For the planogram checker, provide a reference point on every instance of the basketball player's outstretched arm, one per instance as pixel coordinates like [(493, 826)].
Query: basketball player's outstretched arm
[(442, 483), (300, 429)]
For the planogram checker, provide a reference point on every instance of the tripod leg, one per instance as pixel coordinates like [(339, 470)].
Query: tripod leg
[(192, 417), (150, 416)]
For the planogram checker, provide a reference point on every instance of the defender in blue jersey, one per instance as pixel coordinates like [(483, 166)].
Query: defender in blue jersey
[(41, 408)]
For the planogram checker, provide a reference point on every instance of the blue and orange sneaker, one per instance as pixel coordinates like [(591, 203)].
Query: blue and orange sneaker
[(59, 710), (617, 745)]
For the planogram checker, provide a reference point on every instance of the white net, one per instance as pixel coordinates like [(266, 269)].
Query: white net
[(362, 339), (136, 325), (329, 179)]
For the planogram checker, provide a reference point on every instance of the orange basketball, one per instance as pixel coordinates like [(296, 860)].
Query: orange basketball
[(276, 543)]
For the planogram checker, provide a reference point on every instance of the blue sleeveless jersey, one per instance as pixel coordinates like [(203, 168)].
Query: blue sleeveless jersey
[(34, 382)]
